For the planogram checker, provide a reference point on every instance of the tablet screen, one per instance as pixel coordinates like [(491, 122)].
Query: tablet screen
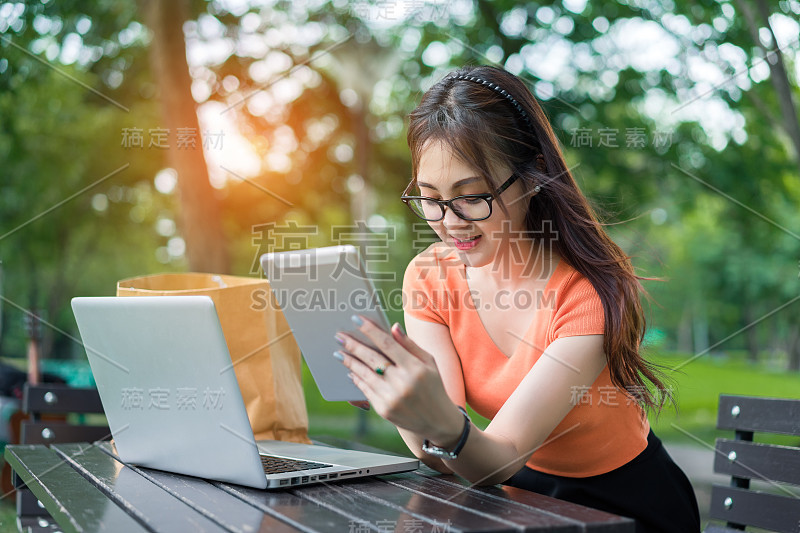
[(319, 290)]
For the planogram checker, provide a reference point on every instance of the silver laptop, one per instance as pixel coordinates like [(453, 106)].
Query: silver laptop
[(170, 394)]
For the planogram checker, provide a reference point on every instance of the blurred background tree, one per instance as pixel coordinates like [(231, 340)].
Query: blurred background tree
[(77, 209), (679, 120)]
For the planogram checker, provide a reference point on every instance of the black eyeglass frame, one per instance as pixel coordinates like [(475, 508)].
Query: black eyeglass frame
[(449, 203)]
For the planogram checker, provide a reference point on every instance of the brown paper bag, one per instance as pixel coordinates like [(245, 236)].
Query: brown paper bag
[(265, 356)]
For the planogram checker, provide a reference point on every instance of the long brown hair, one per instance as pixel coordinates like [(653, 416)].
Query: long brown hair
[(486, 115)]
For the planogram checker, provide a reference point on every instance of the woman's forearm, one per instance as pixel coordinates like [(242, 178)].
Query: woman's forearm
[(485, 459)]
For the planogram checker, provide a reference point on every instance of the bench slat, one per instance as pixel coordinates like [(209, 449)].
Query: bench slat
[(76, 504), (714, 528), (34, 432), (62, 399), (753, 508), (757, 461), (771, 415), (218, 505), (37, 524), (138, 496)]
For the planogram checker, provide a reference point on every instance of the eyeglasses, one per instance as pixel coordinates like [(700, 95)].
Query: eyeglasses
[(469, 207)]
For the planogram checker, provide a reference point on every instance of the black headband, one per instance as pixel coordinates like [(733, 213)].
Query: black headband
[(502, 93)]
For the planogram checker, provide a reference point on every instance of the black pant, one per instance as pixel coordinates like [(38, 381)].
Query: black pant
[(650, 488)]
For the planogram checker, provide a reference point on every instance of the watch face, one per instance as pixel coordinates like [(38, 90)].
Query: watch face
[(436, 451)]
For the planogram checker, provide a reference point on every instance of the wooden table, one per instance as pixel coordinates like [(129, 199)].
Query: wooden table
[(86, 488)]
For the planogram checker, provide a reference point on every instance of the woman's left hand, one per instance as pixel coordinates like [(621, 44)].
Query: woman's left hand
[(401, 381)]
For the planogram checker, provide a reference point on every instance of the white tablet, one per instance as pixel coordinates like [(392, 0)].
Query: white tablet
[(319, 290)]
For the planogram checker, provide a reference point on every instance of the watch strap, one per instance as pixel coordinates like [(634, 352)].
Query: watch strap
[(438, 451)]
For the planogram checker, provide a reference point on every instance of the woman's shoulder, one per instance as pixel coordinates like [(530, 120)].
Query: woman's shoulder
[(571, 286), (576, 305), (570, 279)]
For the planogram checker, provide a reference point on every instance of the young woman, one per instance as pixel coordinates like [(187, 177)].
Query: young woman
[(526, 311)]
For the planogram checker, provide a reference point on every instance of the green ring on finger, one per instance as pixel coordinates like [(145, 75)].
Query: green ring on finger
[(380, 370)]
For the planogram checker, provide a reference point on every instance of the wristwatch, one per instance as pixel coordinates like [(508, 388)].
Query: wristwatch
[(437, 451)]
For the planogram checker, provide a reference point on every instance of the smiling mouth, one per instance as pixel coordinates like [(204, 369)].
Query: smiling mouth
[(466, 244)]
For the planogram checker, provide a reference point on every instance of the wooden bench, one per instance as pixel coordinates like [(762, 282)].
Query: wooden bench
[(775, 506), (48, 405)]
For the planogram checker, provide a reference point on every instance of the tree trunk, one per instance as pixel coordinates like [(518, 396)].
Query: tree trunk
[(778, 75), (700, 328), (2, 296), (751, 334), (793, 348), (360, 205), (783, 88), (199, 219), (685, 330)]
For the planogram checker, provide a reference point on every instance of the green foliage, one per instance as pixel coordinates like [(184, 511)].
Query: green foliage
[(77, 209), (706, 205)]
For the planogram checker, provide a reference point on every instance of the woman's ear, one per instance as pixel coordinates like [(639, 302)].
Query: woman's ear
[(541, 166)]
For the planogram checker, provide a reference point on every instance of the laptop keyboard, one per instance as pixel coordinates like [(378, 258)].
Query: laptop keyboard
[(279, 465)]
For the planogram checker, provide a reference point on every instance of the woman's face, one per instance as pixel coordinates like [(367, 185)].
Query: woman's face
[(443, 176)]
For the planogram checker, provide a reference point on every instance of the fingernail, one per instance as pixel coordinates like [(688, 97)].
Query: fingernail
[(400, 329), (356, 320), (363, 408), (341, 340), (338, 355), (350, 375)]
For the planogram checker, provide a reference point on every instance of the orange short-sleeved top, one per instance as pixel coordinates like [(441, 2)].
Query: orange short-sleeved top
[(603, 431)]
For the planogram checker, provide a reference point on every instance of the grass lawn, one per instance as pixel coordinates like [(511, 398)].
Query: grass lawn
[(8, 516), (698, 385)]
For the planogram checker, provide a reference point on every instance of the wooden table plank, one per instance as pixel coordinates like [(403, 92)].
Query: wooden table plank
[(389, 507), (305, 515), (145, 501), (217, 505), (518, 517), (589, 519), (71, 500), (423, 501)]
